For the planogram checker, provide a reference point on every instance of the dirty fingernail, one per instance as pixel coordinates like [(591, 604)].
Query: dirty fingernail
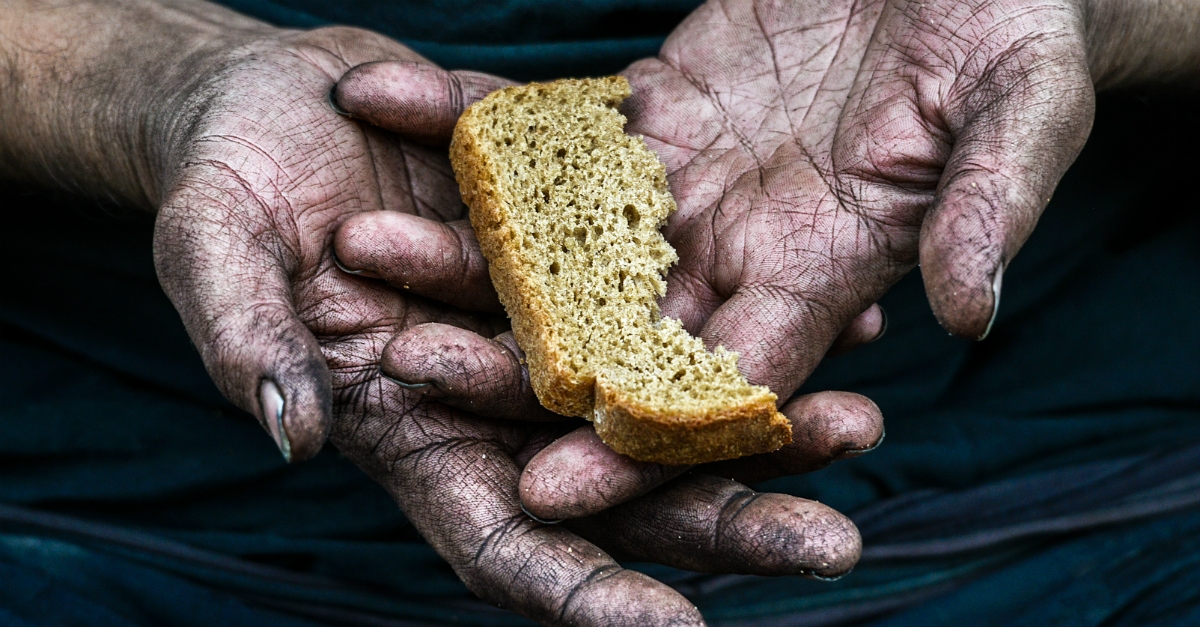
[(416, 387), (855, 452), (541, 520), (333, 103), (341, 266), (997, 280), (272, 403)]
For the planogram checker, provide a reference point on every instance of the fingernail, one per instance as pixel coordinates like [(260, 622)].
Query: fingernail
[(883, 327), (813, 575), (271, 400), (340, 266), (997, 280), (853, 452), (416, 387), (541, 520), (332, 100)]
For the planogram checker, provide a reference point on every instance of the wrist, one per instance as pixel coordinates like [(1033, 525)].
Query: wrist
[(1132, 42)]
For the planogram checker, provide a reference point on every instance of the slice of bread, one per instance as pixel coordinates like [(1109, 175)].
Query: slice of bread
[(567, 209)]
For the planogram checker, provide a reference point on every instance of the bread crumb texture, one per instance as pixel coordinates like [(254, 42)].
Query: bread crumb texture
[(568, 210)]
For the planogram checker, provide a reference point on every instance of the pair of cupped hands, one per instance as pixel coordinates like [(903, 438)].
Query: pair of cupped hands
[(818, 151)]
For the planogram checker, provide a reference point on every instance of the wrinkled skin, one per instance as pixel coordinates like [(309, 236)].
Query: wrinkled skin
[(244, 248), (817, 152)]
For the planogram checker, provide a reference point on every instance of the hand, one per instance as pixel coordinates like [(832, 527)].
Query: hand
[(842, 142), (248, 118), (817, 151)]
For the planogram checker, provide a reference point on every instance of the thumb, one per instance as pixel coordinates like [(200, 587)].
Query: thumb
[(232, 291), (417, 100), (1013, 142)]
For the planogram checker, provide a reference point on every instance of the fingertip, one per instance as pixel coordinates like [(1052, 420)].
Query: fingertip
[(274, 370), (842, 424), (578, 475), (438, 260), (709, 524), (964, 243), (824, 543), (841, 548), (332, 100), (384, 245), (628, 598), (423, 353), (414, 99), (296, 408), (964, 297), (351, 241), (465, 370), (870, 325)]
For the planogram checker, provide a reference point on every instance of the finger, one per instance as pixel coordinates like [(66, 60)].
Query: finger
[(438, 260), (999, 179), (868, 327), (578, 475), (709, 524), (826, 427), (1022, 126), (455, 479), (465, 370), (232, 290), (417, 100)]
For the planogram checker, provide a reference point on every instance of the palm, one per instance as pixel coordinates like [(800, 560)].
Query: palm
[(804, 161), (758, 205)]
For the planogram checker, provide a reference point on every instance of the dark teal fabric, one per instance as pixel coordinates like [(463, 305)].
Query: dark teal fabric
[(521, 39), (1047, 476)]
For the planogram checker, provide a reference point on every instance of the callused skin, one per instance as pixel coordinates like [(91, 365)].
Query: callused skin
[(223, 126)]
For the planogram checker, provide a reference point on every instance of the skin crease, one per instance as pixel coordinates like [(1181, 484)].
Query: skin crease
[(251, 197)]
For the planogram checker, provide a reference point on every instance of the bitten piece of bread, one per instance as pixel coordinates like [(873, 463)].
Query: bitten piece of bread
[(567, 209)]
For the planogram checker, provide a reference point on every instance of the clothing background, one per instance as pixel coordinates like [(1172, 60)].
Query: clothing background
[(1047, 476)]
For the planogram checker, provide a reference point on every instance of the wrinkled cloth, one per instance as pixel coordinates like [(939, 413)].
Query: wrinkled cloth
[(1047, 476)]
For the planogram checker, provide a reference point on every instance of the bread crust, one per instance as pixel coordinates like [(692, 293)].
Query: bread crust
[(648, 435), (643, 433)]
